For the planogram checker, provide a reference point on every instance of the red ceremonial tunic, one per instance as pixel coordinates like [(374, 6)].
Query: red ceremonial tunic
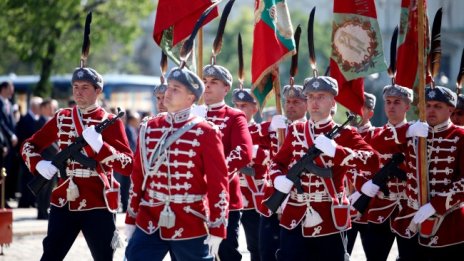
[(366, 131), (115, 155), (252, 187), (237, 145), (325, 196), (390, 139), (265, 138), (189, 179), (445, 143)]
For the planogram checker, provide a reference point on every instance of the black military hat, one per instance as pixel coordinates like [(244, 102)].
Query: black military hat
[(396, 90), (189, 79), (295, 91), (161, 88), (460, 102), (441, 94), (243, 95), (369, 100), (321, 83), (89, 75), (219, 72)]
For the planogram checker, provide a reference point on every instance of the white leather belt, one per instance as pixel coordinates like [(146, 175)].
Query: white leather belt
[(414, 204), (313, 197), (176, 198), (244, 183), (391, 196), (81, 173)]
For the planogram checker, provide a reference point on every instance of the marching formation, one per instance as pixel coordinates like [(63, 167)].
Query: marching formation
[(301, 185)]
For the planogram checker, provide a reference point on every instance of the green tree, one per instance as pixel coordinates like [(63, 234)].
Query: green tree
[(46, 35), (244, 24)]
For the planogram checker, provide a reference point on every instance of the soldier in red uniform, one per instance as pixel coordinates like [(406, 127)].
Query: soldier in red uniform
[(313, 223), (457, 117), (237, 147), (158, 93), (441, 220), (252, 177), (367, 131), (265, 135), (390, 139), (294, 108), (86, 200), (365, 127), (179, 200)]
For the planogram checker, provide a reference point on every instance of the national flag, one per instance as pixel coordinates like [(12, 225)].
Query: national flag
[(272, 42), (408, 41), (357, 50), (175, 20)]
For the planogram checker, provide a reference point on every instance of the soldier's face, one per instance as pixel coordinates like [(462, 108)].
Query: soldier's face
[(177, 97), (457, 117), (395, 109), (247, 107), (320, 104), (367, 115), (295, 108), (437, 112), (85, 94), (160, 103), (215, 90)]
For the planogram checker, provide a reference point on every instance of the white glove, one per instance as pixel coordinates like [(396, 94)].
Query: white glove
[(46, 169), (283, 184), (369, 189), (129, 230), (423, 213), (418, 129), (199, 110), (278, 122), (213, 243), (326, 145), (353, 197), (255, 151), (93, 138)]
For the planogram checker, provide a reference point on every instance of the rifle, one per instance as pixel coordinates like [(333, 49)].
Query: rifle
[(248, 170), (305, 164), (380, 179), (72, 152)]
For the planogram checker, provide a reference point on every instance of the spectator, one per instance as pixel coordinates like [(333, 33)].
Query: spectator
[(26, 127), (7, 125)]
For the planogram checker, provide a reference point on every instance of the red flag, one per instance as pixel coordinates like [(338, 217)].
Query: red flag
[(272, 37), (407, 55), (180, 15), (357, 50), (350, 93), (272, 42)]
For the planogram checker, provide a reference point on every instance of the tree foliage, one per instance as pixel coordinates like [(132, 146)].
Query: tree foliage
[(244, 24), (46, 35)]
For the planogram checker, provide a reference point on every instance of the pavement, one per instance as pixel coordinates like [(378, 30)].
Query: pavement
[(28, 233)]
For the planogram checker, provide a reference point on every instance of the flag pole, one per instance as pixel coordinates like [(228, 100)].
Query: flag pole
[(200, 59), (278, 99), (422, 146)]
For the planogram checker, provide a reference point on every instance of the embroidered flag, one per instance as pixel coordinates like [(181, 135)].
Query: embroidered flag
[(357, 49), (272, 42)]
